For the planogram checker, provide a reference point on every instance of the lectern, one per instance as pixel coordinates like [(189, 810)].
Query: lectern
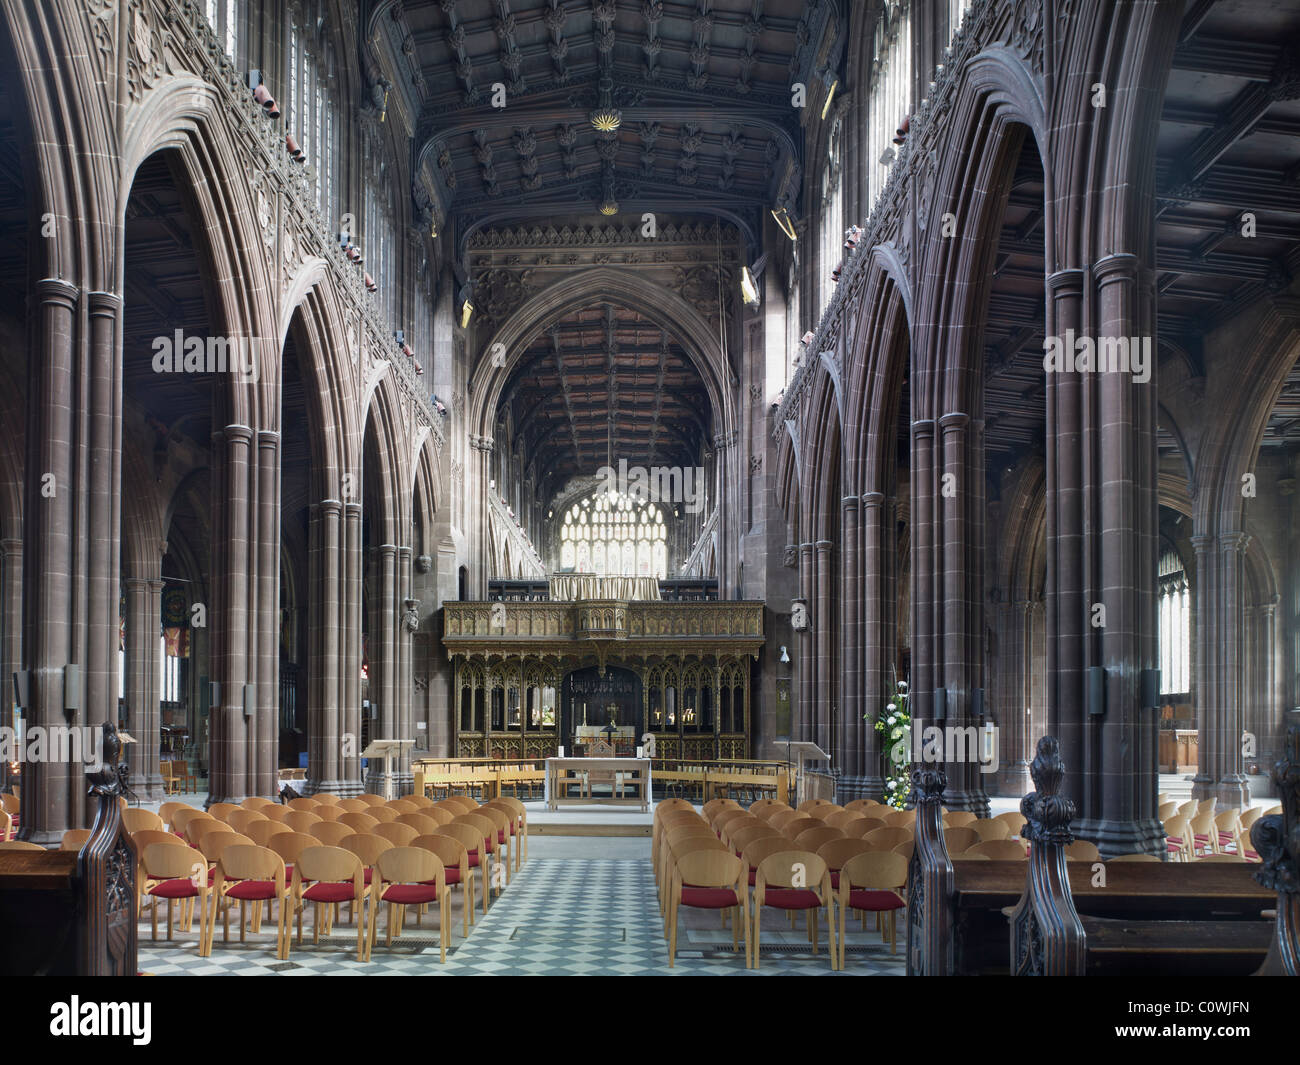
[(806, 752), (387, 750)]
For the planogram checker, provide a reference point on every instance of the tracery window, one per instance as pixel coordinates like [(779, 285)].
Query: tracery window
[(889, 94), (224, 16), (312, 112), (612, 534), (1175, 626), (832, 214)]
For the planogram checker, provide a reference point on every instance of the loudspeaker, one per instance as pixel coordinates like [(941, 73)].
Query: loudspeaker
[(23, 688), (71, 688), (1096, 691), (250, 699), (1150, 689), (940, 704), (977, 703), (214, 694)]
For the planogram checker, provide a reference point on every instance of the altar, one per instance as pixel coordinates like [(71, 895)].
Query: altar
[(563, 775)]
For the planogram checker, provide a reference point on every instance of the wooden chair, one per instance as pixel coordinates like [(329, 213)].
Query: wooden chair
[(472, 840), (1014, 819), (993, 829), (782, 818), (836, 852), (791, 829), (260, 832), (304, 802), (1205, 833), (143, 839), (1081, 850), (742, 839), (740, 824), (504, 837), (759, 851), (1133, 858), (329, 812), (166, 810), (456, 869), (325, 798), (276, 812), (19, 845), (176, 873), (241, 819), (1166, 810), (466, 804), (873, 882), (423, 823), (809, 804), (960, 839), (669, 846), (371, 798), (6, 826), (1000, 850), (1178, 838), (200, 826), (257, 802), (492, 849), (171, 778), (354, 806), (863, 826), (886, 839), (959, 818), (519, 812), (358, 822), (908, 846), (397, 834), (842, 819), (770, 811), (1206, 806), (135, 819), (1227, 825), (183, 815), (302, 820), (757, 806), (713, 880), (409, 876), (775, 886), (824, 810), (74, 839), (331, 833), (335, 876), (1188, 809), (863, 805), (249, 873), (713, 806), (383, 814), (222, 810), (1221, 858), (403, 806), (900, 818), (811, 839)]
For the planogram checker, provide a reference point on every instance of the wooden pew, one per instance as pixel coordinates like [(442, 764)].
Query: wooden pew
[(72, 913), (1170, 918)]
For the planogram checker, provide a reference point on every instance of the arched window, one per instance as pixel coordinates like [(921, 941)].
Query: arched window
[(832, 214), (224, 16), (311, 112), (1175, 626), (611, 534), (889, 95)]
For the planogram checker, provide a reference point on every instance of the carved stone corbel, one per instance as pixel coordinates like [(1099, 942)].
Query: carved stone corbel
[(1276, 839)]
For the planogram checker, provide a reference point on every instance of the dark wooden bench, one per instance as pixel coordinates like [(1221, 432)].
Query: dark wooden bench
[(1167, 919), (72, 913)]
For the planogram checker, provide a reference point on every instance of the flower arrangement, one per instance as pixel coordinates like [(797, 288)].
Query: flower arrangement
[(895, 726)]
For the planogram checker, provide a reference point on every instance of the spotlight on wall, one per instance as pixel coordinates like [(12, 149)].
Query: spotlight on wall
[(466, 297), (830, 95), (785, 656), (295, 153), (748, 288), (782, 217)]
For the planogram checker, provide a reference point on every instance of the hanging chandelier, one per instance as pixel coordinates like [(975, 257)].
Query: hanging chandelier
[(606, 118)]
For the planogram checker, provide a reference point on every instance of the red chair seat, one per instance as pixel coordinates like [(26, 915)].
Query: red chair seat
[(709, 898), (473, 859), (252, 890), (863, 899), (501, 836), (791, 898), (340, 892), (411, 894), (180, 888), (835, 879), (753, 875)]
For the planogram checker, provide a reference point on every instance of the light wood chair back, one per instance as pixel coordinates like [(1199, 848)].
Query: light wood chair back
[(421, 822), (1000, 850), (19, 845), (367, 846), (371, 798), (1133, 858), (825, 810), (960, 839), (383, 814), (959, 818), (1014, 819), (257, 802), (148, 836), (360, 822), (907, 847), (329, 811), (864, 805), (1082, 850), (221, 810), (260, 832), (742, 839), (811, 839), (836, 852), (214, 844), (993, 829), (900, 818), (305, 802), (886, 839), (863, 826), (240, 820), (809, 804), (75, 838), (288, 845), (204, 826), (398, 835), (302, 820), (276, 812), (183, 815), (135, 820), (330, 865), (403, 806), (331, 833), (354, 805), (325, 798), (162, 861)]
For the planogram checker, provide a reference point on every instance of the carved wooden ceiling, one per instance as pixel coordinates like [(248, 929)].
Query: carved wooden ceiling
[(702, 89), (604, 384), (1228, 148)]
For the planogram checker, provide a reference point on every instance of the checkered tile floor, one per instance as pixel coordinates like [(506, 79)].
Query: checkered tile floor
[(558, 917)]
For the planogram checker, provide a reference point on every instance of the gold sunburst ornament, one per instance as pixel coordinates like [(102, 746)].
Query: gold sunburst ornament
[(609, 207), (606, 119)]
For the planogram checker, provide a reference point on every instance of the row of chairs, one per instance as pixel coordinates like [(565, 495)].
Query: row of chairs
[(789, 864)]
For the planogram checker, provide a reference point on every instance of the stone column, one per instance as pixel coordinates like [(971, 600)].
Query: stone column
[(143, 670), (878, 607), (228, 729), (825, 650), (804, 724), (925, 675), (1219, 665), (350, 647), (404, 679), (264, 780), (850, 644), (52, 791), (11, 633), (383, 661), (325, 748)]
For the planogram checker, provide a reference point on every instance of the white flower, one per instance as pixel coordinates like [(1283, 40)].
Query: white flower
[(891, 708), (891, 720), (895, 733), (902, 685)]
